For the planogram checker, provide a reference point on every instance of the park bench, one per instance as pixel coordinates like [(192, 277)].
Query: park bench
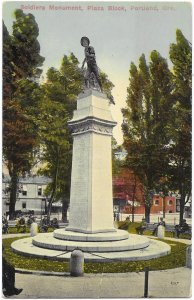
[(152, 226), (180, 229), (168, 228)]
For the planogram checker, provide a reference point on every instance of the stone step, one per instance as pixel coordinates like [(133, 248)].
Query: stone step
[(48, 241), (62, 234)]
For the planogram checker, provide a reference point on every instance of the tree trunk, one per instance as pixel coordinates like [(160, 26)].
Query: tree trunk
[(164, 206), (182, 200), (182, 206), (133, 211), (54, 186), (49, 209), (147, 213), (64, 210), (13, 195)]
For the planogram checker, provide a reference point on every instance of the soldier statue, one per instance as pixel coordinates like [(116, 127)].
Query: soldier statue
[(92, 74)]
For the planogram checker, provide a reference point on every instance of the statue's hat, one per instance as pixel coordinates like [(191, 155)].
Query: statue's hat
[(85, 38)]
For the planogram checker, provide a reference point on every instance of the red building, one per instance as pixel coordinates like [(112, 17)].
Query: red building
[(160, 204), (128, 196)]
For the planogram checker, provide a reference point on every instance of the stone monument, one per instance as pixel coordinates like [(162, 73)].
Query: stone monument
[(91, 227), (91, 204)]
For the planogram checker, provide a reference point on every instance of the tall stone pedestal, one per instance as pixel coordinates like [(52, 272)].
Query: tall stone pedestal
[(91, 204)]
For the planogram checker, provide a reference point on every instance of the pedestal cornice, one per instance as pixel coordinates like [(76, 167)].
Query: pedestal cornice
[(91, 124)]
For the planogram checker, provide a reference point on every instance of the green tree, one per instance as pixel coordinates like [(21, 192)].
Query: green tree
[(117, 163), (21, 62), (180, 147), (146, 121), (59, 94), (107, 86)]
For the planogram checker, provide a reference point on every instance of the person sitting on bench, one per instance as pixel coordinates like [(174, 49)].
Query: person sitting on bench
[(140, 229), (8, 275), (5, 226), (21, 224), (181, 228)]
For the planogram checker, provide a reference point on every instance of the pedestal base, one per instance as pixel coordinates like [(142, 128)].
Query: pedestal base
[(154, 249)]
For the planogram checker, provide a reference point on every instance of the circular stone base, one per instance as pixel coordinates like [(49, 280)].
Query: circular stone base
[(48, 241), (154, 250), (118, 235)]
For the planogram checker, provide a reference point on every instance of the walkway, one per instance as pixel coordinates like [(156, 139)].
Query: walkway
[(173, 283)]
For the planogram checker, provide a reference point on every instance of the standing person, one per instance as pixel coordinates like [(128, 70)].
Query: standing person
[(90, 59)]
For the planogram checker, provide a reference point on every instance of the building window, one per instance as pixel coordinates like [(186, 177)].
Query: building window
[(170, 202), (23, 205), (156, 202), (39, 190), (24, 190)]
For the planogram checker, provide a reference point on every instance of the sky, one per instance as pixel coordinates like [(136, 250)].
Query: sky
[(119, 32)]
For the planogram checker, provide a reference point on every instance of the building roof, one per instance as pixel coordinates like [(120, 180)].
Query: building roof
[(29, 179)]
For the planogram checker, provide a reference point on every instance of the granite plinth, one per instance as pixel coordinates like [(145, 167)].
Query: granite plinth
[(116, 235), (91, 207), (154, 250)]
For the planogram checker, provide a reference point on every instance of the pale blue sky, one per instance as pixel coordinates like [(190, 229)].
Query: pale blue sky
[(118, 37)]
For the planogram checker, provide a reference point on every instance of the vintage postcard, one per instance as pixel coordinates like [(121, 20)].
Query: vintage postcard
[(97, 118)]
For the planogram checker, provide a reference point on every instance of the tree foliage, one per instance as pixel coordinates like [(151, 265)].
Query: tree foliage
[(107, 85), (157, 123), (117, 162), (59, 94), (180, 148), (145, 124), (21, 62)]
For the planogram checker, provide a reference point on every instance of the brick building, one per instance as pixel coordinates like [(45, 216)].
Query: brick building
[(128, 196)]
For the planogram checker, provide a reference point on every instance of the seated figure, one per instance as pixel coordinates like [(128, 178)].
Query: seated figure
[(44, 224), (140, 229), (21, 224), (5, 226), (9, 288), (181, 228), (54, 223)]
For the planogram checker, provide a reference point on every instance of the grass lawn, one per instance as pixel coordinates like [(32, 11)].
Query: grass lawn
[(175, 259), (22, 262)]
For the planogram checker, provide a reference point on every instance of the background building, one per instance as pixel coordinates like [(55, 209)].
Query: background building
[(30, 195), (128, 196)]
